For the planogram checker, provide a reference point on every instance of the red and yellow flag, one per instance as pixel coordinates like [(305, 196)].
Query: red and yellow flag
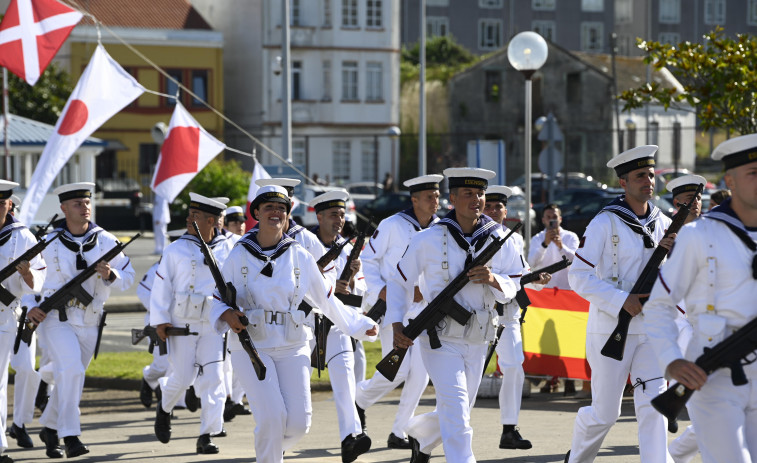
[(554, 334)]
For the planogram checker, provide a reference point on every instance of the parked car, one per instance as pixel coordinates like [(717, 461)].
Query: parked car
[(305, 215), (664, 175), (364, 192), (118, 203), (540, 184), (384, 206)]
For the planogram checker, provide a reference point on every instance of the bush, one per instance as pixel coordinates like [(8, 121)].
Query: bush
[(218, 178)]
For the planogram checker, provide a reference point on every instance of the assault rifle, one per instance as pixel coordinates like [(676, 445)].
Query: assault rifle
[(616, 343), (73, 290), (377, 311), (353, 299), (6, 297), (521, 297), (229, 297), (728, 353), (442, 305), (42, 230), (152, 333), (333, 253)]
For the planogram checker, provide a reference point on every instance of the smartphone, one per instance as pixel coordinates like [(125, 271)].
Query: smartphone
[(553, 223)]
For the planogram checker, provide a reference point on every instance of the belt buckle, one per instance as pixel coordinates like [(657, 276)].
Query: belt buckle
[(279, 320), (268, 316)]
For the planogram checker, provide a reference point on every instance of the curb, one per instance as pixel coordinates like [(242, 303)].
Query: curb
[(123, 384)]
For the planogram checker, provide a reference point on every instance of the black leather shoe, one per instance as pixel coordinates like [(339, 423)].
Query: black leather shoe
[(50, 439), (41, 400), (228, 411), (672, 427), (158, 394), (354, 446), (21, 436), (512, 440), (361, 415), (394, 442), (220, 434), (162, 424), (205, 445), (240, 409), (74, 447), (567, 457), (191, 399), (417, 456), (5, 459), (145, 394)]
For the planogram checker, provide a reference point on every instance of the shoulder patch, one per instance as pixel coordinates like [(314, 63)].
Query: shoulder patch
[(582, 242)]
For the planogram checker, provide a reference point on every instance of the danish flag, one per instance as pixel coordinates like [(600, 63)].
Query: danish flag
[(31, 33)]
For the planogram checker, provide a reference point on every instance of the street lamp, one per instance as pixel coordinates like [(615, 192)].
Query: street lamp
[(527, 52)]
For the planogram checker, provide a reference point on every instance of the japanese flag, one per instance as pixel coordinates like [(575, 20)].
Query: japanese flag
[(31, 34), (187, 149), (102, 91)]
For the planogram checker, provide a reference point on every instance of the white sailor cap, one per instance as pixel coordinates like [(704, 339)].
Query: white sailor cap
[(16, 201), (424, 182), (287, 183), (271, 194), (74, 190), (685, 183), (6, 189), (221, 199), (468, 177), (173, 235), (235, 213), (333, 198), (205, 204), (737, 151), (635, 158), (498, 193)]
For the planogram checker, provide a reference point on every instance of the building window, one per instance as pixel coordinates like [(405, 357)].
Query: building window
[(199, 87), (543, 5), (489, 34), (196, 79), (490, 3), (369, 156), (545, 28), (341, 161), (296, 80), (171, 86), (573, 88), (373, 82), (714, 12), (326, 81), (373, 13), (326, 13), (349, 80), (751, 16), (654, 133), (592, 5), (298, 152), (673, 38), (349, 13), (148, 157), (493, 85), (592, 34), (437, 26), (294, 13), (623, 11), (670, 11)]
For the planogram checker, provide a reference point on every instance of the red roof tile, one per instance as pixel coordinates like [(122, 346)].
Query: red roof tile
[(144, 14)]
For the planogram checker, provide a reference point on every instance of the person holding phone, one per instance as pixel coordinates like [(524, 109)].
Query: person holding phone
[(551, 244)]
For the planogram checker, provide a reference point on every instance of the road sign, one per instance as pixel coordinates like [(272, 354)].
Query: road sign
[(556, 165)]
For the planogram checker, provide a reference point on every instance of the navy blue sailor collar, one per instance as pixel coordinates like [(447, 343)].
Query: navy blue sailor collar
[(484, 227), (409, 215), (11, 224), (623, 211)]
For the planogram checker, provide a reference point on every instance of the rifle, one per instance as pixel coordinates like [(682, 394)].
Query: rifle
[(42, 230), (377, 311), (100, 327), (318, 356), (72, 290), (728, 353), (21, 324), (492, 347), (616, 343), (6, 297), (353, 299), (332, 253), (521, 297), (229, 297), (442, 305), (152, 333)]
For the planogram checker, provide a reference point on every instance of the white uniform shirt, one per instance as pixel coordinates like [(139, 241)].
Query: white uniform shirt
[(182, 274), (539, 256), (704, 247), (591, 272), (19, 239), (144, 289)]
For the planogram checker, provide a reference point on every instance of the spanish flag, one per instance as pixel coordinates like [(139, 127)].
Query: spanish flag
[(554, 334)]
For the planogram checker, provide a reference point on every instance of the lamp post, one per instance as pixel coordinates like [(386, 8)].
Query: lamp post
[(527, 52)]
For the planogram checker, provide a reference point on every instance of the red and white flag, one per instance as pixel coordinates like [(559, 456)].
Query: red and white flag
[(31, 34), (257, 173), (187, 149), (103, 90)]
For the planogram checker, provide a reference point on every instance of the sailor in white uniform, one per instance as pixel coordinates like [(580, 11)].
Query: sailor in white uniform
[(380, 257), (614, 249), (272, 273), (71, 343), (433, 258), (712, 269), (181, 296)]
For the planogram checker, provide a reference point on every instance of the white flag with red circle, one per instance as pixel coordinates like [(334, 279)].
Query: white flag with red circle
[(187, 149), (31, 33), (103, 90), (258, 172)]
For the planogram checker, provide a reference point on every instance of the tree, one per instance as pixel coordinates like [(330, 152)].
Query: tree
[(444, 58), (717, 76), (45, 100), (218, 178)]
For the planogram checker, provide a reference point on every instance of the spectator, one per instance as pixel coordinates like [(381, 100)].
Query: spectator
[(717, 198)]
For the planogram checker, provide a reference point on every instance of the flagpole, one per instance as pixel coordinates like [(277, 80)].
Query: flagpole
[(6, 124)]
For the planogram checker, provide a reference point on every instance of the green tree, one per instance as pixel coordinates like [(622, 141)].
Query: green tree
[(218, 178), (45, 100), (444, 58), (717, 76)]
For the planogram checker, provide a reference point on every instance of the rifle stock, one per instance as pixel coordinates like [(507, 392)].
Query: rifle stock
[(616, 343), (6, 297)]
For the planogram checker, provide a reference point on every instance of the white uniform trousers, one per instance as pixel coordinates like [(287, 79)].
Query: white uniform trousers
[(6, 347), (412, 372), (360, 362), (608, 380), (684, 448), (70, 348), (196, 359), (510, 360), (156, 370), (455, 369), (26, 382), (725, 417), (281, 402), (340, 359), (233, 387), (227, 372)]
